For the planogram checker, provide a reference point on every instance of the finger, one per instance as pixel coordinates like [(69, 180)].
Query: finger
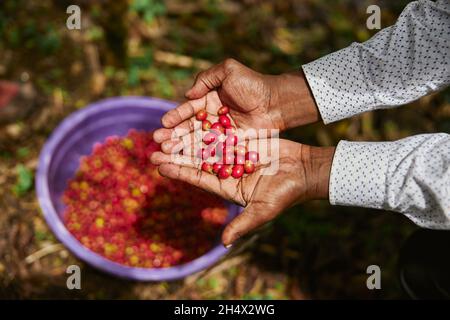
[(187, 148), (183, 112), (159, 158), (191, 175), (206, 81), (188, 144), (172, 146), (162, 134), (187, 126), (247, 221), (183, 129)]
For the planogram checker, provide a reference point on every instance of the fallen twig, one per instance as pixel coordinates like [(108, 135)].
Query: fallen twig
[(180, 60), (43, 252)]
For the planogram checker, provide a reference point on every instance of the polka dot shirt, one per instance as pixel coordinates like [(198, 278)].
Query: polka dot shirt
[(398, 65)]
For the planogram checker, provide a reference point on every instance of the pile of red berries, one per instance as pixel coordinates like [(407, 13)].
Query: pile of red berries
[(223, 154), (119, 206)]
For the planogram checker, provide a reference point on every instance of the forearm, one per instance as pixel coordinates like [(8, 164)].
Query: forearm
[(398, 65), (410, 176)]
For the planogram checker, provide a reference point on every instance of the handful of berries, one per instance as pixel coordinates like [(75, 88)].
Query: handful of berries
[(118, 206), (223, 154)]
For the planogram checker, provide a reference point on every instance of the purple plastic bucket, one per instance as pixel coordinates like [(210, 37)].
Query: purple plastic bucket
[(59, 160)]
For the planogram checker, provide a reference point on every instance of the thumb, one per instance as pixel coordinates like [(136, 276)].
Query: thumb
[(206, 81), (250, 219)]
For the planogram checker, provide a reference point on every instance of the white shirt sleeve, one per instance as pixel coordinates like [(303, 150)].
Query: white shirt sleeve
[(398, 65), (411, 176)]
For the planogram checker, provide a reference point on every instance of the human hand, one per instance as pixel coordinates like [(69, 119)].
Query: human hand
[(256, 100), (302, 174)]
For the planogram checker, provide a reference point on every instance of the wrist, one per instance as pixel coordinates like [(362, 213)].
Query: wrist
[(317, 163), (292, 101)]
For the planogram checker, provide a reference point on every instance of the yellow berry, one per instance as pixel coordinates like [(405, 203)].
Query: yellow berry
[(135, 192), (99, 222), (134, 260), (127, 143)]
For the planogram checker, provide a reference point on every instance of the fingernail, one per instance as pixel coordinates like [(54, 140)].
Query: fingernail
[(165, 123), (228, 246)]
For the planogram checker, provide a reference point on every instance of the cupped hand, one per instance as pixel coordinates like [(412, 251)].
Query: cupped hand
[(256, 100), (290, 173)]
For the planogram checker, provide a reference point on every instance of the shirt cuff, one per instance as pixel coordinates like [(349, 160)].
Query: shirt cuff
[(358, 174), (338, 84)]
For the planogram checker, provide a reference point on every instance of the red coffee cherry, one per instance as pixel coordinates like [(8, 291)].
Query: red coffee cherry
[(240, 150), (228, 158), (207, 167), (225, 172), (239, 160), (206, 125), (237, 171), (228, 149), (249, 166), (211, 150), (223, 111), (217, 128), (231, 140), (216, 167), (225, 121), (253, 156), (201, 115), (230, 131), (209, 138)]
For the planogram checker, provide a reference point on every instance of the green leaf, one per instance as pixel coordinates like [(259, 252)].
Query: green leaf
[(139, 5), (149, 8), (213, 283), (133, 76), (23, 152), (24, 180), (40, 235), (50, 41)]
